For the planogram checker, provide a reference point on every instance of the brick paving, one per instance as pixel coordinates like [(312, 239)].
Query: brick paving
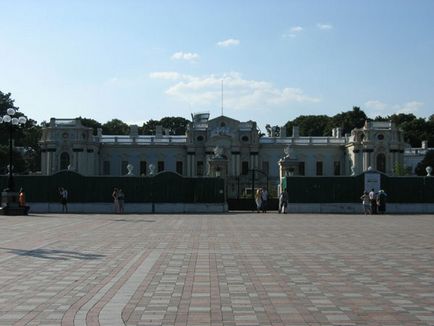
[(231, 269)]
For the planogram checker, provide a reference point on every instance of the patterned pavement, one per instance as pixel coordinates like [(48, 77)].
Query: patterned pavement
[(232, 269)]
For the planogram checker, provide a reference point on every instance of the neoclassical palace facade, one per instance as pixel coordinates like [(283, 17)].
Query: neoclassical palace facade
[(66, 144)]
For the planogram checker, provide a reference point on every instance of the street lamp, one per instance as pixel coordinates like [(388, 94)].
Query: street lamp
[(12, 122)]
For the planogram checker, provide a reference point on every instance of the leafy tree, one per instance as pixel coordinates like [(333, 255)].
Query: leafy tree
[(26, 137), (91, 123), (347, 120), (417, 130), (401, 170), (310, 125), (17, 161), (176, 125), (148, 128), (401, 118), (428, 160), (115, 127)]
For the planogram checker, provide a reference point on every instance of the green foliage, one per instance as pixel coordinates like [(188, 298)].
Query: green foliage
[(148, 128), (428, 160), (91, 123), (401, 170), (18, 161), (310, 125), (115, 127), (322, 125), (347, 120), (26, 137), (176, 125)]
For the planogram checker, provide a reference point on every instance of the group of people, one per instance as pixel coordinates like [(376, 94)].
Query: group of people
[(374, 202), (261, 200), (118, 200)]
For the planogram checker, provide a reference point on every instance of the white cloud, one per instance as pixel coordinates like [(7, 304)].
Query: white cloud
[(376, 107), (293, 31), (228, 42), (409, 107), (170, 75), (187, 56), (296, 29), (324, 27), (239, 93)]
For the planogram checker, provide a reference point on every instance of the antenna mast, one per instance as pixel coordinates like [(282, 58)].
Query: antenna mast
[(222, 96)]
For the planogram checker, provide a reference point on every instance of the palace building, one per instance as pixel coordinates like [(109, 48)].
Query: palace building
[(244, 154)]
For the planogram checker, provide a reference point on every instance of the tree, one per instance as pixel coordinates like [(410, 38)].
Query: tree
[(6, 102), (91, 123), (148, 128), (347, 120), (309, 125), (417, 130), (26, 138), (115, 127), (176, 125), (428, 160), (17, 161)]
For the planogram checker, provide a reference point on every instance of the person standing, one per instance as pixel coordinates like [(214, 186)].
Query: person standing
[(373, 199), (366, 202), (115, 200), (121, 201), (64, 199), (264, 196), (381, 201), (258, 199), (283, 201)]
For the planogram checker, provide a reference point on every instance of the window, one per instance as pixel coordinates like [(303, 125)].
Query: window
[(179, 167), (244, 167), (319, 168), (160, 166), (381, 162), (106, 168), (143, 167), (265, 167), (64, 160), (124, 169), (337, 167), (301, 168), (199, 168)]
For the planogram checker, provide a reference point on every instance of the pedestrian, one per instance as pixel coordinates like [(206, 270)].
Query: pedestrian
[(366, 202), (381, 201), (115, 200), (258, 199), (264, 196), (121, 201), (22, 201), (373, 199), (63, 193), (21, 198), (283, 201)]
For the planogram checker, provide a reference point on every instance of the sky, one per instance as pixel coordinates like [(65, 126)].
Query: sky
[(268, 61)]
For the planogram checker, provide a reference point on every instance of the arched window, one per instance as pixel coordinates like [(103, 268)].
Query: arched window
[(381, 162), (64, 160)]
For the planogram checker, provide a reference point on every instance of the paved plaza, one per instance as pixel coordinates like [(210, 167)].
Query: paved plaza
[(220, 269)]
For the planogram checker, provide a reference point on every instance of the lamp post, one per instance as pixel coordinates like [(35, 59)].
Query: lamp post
[(9, 196)]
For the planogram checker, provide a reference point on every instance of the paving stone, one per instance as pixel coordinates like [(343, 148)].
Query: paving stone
[(230, 269)]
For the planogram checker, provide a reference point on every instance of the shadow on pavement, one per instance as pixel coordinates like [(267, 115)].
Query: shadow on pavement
[(53, 254)]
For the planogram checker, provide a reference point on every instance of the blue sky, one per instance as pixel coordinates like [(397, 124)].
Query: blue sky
[(141, 60)]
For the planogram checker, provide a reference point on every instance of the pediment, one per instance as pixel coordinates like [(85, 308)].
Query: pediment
[(223, 126)]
